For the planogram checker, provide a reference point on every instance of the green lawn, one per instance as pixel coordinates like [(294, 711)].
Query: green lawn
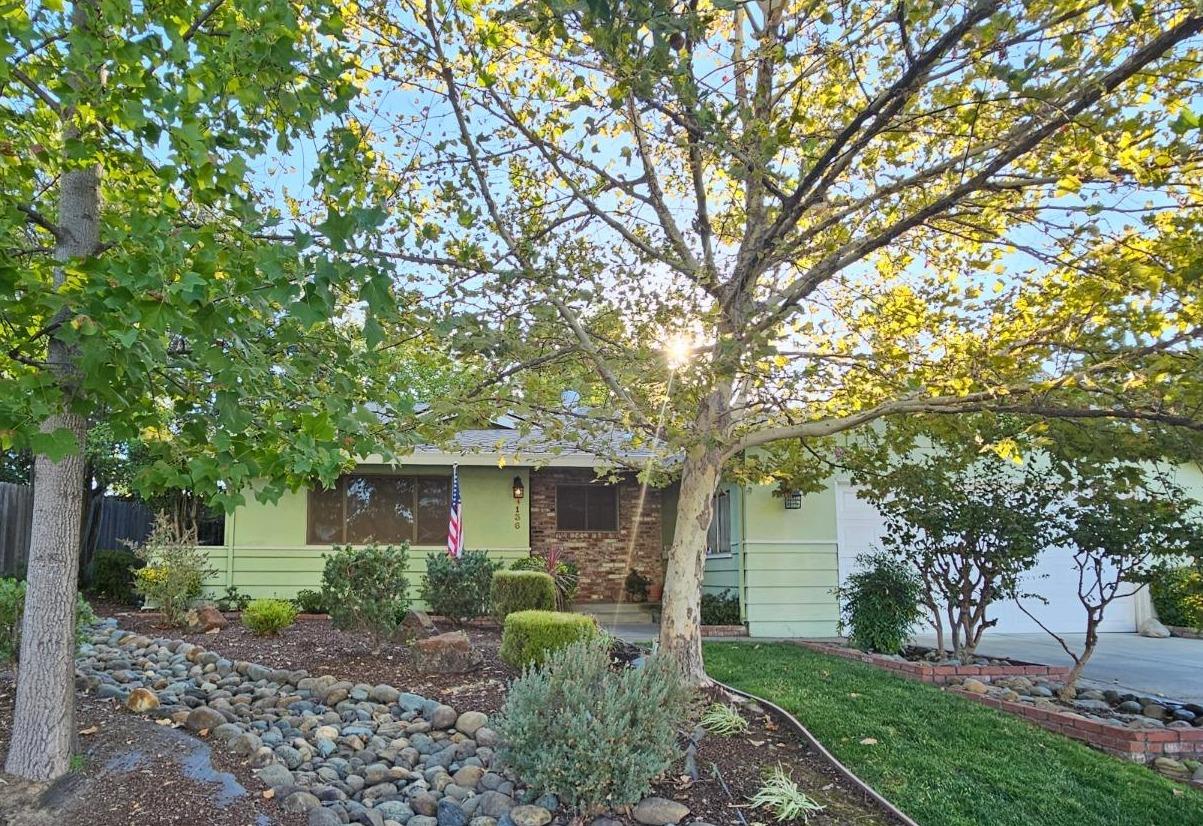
[(947, 761)]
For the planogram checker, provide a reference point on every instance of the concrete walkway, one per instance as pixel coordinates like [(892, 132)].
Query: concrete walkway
[(1172, 668)]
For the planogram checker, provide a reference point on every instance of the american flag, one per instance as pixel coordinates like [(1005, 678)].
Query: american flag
[(455, 528)]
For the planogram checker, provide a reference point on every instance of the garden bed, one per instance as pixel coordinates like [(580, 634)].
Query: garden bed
[(726, 771), (1186, 633), (925, 665)]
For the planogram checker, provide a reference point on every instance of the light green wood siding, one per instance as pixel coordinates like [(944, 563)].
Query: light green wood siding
[(789, 564), (266, 553)]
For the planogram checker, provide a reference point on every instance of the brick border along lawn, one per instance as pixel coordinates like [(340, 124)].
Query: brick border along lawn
[(944, 760)]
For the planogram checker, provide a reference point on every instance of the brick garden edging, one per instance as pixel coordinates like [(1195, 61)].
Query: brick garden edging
[(724, 631), (937, 674), (1187, 633), (1137, 745)]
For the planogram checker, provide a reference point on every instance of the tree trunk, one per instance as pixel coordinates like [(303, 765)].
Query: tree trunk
[(681, 617), (43, 732)]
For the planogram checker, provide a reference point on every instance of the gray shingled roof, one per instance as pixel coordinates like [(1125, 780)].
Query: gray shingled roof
[(534, 445)]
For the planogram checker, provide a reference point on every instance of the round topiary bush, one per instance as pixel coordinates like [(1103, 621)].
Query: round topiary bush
[(268, 616), (530, 636), (522, 591)]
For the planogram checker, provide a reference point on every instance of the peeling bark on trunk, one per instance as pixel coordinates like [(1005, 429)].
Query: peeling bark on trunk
[(681, 619), (43, 733)]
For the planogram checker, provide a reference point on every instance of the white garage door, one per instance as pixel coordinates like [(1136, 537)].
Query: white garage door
[(860, 527)]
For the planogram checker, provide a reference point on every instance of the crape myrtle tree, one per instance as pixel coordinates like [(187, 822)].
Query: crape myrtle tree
[(1118, 522), (148, 284), (835, 213), (969, 526)]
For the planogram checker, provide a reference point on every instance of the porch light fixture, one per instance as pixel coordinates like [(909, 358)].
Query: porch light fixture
[(793, 500), (519, 490)]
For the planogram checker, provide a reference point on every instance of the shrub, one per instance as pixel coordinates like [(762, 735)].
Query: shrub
[(112, 575), (595, 737), (529, 636), (458, 589), (880, 603), (521, 591), (12, 611), (1177, 595), (310, 602), (175, 569), (564, 572), (636, 586), (366, 589), (782, 797), (723, 720), (720, 609), (268, 616), (232, 600)]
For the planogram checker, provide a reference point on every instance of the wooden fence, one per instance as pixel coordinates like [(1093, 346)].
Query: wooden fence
[(110, 524)]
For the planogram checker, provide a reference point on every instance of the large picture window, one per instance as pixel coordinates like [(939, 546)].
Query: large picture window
[(365, 508), (586, 508)]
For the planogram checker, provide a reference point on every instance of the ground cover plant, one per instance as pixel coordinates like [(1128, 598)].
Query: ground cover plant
[(266, 617), (946, 761)]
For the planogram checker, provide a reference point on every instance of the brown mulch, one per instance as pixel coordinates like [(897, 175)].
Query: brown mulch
[(731, 769), (134, 771), (315, 645), (138, 772)]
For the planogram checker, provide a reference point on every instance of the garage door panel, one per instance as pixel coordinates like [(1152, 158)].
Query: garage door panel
[(1055, 578)]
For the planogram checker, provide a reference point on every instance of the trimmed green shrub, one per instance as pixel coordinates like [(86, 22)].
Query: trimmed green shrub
[(594, 736), (720, 609), (12, 611), (564, 571), (529, 636), (880, 603), (521, 591), (310, 602), (459, 589), (112, 575), (268, 616), (175, 570), (1177, 595), (366, 589)]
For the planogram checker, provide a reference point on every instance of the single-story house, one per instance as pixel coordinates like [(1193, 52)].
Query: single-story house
[(523, 494)]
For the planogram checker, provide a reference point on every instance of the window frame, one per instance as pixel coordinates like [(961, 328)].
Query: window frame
[(341, 487), (588, 487), (720, 506)]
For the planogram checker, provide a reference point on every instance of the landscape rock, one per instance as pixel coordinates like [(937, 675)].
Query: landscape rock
[(449, 653), (204, 718), (205, 618), (538, 816), (1153, 628), (323, 817), (659, 811), (141, 701), (973, 686), (276, 775), (300, 802), (471, 722)]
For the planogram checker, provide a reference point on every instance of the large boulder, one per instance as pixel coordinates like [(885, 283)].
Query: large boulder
[(450, 653), (659, 811), (205, 618), (1153, 628)]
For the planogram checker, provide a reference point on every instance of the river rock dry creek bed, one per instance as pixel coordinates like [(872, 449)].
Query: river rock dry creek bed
[(176, 732)]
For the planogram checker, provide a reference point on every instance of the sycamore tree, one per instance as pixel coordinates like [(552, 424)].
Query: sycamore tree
[(825, 213), (180, 237)]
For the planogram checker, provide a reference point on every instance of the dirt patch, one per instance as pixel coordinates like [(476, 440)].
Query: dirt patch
[(315, 645), (731, 769), (132, 770)]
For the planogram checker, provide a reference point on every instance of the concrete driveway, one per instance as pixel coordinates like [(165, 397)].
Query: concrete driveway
[(1172, 667)]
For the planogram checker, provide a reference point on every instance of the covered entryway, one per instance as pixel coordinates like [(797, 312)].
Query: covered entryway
[(859, 530)]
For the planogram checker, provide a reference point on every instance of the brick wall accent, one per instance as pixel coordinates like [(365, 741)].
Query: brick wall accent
[(724, 631), (1137, 745), (601, 555), (938, 674)]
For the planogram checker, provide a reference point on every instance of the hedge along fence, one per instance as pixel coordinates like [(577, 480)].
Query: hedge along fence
[(522, 591)]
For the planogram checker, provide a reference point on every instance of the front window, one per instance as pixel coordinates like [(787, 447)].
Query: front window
[(718, 538), (365, 508), (586, 508)]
